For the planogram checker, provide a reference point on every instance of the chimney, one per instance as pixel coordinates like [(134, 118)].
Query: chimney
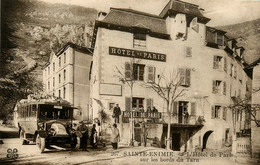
[(101, 16)]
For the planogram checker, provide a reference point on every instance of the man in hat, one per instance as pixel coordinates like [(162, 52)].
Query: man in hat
[(83, 129), (117, 113)]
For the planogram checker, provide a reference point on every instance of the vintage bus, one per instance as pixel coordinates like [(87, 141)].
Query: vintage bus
[(46, 123)]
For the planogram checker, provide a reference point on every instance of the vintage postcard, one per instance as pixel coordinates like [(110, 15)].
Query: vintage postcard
[(130, 82)]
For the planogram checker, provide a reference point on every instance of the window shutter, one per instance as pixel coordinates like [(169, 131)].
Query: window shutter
[(151, 73), (149, 102), (127, 70), (187, 81), (225, 64), (193, 109), (224, 113), (175, 108), (235, 72), (182, 76), (224, 88), (212, 112), (215, 62), (214, 86), (127, 103)]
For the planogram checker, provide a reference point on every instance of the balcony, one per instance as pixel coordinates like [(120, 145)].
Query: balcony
[(162, 118)]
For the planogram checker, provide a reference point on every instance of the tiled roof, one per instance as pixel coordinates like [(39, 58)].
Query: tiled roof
[(182, 7), (133, 18), (76, 47)]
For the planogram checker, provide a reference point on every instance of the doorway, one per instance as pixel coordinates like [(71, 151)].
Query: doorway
[(176, 140), (205, 139)]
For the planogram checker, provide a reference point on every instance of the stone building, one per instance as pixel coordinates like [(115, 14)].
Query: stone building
[(179, 40), (254, 69), (67, 75)]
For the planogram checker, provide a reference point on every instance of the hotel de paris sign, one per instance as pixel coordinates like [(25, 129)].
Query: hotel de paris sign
[(137, 54)]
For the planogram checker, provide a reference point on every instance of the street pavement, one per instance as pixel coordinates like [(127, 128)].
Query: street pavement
[(29, 154)]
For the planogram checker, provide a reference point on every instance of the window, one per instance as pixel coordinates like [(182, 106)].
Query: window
[(217, 86), (90, 70), (53, 67), (59, 93), (138, 102), (184, 76), (64, 57), (224, 88), (217, 64), (188, 51), (53, 83), (48, 85), (48, 70), (64, 74), (183, 109), (138, 72), (139, 40), (59, 78), (225, 64), (231, 70), (219, 39), (64, 92), (59, 61), (215, 111)]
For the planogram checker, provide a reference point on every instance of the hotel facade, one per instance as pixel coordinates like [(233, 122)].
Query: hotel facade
[(177, 40)]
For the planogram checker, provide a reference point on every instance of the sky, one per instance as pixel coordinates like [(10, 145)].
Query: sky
[(221, 12)]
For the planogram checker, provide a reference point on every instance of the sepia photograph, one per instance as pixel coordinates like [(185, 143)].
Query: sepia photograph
[(130, 82)]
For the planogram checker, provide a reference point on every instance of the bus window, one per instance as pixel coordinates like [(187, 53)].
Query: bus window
[(33, 110)]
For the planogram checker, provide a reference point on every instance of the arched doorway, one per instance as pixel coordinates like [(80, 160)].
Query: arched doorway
[(205, 138)]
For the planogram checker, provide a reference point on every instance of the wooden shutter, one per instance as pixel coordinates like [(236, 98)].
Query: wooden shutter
[(193, 109), (235, 72), (175, 108), (224, 88), (215, 65), (127, 70), (214, 86), (224, 113), (187, 78), (127, 103), (151, 73), (182, 75), (225, 64), (149, 103), (213, 112)]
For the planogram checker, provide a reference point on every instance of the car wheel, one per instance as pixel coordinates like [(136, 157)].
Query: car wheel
[(40, 142)]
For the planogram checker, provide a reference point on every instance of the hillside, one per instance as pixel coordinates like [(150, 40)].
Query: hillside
[(30, 30), (248, 36)]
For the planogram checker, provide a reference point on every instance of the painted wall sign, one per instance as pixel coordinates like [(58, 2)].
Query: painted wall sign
[(137, 54), (149, 115), (110, 89)]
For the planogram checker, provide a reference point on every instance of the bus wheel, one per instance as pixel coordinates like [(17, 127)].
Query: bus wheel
[(40, 142), (22, 140)]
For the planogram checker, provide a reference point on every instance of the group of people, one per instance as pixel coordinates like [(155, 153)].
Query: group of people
[(83, 135)]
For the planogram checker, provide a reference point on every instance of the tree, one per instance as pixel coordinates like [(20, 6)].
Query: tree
[(169, 89), (128, 78)]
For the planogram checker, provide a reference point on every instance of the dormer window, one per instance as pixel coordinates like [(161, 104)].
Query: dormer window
[(220, 39), (186, 6), (139, 40)]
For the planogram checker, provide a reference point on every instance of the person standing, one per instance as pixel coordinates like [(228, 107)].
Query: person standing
[(83, 129), (116, 113), (115, 137), (93, 136)]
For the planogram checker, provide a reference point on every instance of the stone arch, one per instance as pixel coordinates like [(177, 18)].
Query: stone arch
[(206, 139)]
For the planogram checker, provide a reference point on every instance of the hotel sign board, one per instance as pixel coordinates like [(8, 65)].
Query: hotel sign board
[(149, 115), (137, 54)]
